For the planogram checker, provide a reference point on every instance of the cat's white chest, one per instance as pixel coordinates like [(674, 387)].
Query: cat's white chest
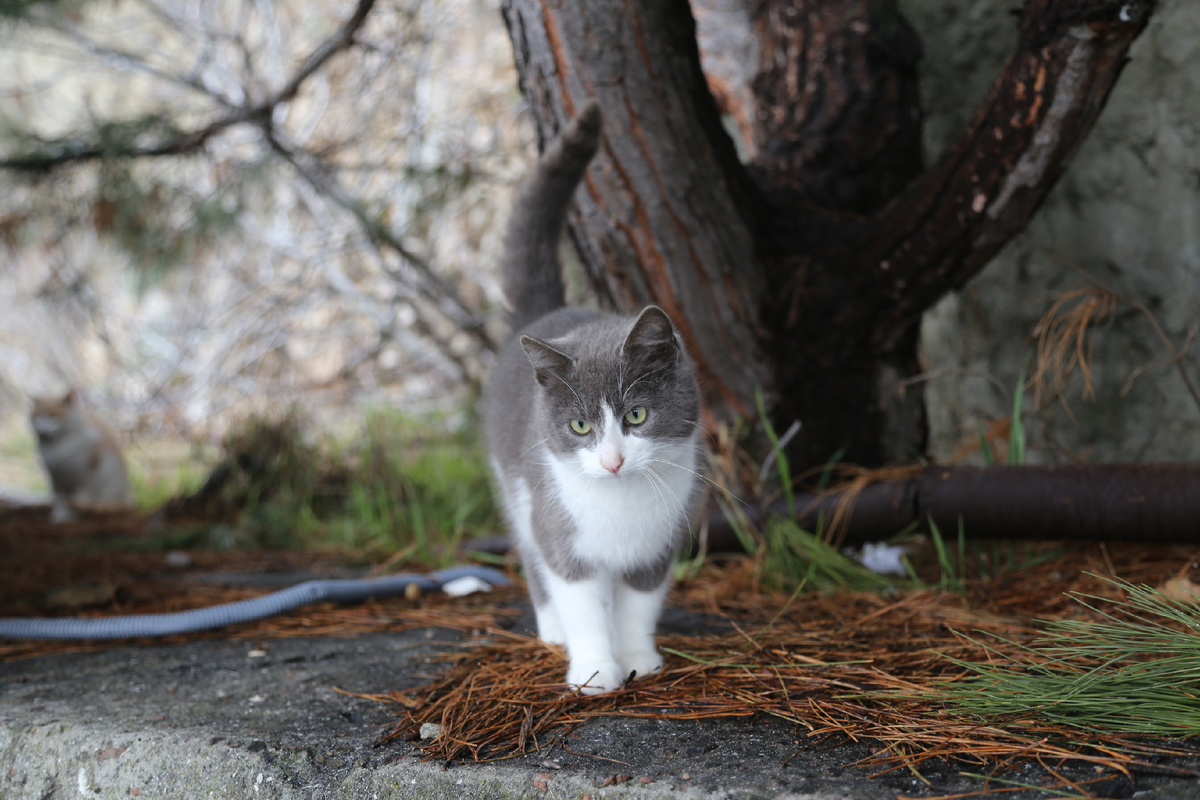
[(629, 520)]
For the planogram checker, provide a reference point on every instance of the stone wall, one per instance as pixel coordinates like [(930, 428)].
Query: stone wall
[(1125, 217)]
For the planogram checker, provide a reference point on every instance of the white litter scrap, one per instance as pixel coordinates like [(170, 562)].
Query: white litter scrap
[(884, 559), (467, 584)]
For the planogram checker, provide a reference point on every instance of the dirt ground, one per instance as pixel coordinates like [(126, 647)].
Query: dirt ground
[(303, 702)]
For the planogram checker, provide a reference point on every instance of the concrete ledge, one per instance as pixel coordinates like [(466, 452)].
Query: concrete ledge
[(250, 719), (212, 719)]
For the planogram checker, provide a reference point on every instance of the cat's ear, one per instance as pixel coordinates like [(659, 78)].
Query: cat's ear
[(547, 361), (652, 335)]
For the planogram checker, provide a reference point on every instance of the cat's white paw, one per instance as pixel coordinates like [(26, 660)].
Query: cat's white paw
[(599, 677), (642, 664)]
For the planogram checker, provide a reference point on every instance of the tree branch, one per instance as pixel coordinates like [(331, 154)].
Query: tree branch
[(186, 142), (946, 225), (839, 122), (132, 61), (430, 287)]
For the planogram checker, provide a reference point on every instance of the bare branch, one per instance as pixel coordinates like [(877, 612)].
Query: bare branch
[(431, 287), (135, 62), (258, 113)]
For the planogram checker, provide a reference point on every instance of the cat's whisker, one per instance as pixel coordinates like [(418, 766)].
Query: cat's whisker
[(664, 491), (709, 436), (639, 380), (674, 495), (701, 476), (578, 399), (532, 447)]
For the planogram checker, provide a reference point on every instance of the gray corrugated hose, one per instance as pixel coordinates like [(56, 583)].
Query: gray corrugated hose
[(202, 619)]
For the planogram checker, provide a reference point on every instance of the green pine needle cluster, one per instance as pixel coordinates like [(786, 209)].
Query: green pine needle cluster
[(1133, 668)]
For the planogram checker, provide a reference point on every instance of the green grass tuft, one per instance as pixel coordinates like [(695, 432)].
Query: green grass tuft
[(777, 447), (794, 557), (402, 487), (952, 565)]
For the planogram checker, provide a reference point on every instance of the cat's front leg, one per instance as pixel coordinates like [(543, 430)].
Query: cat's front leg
[(635, 618), (549, 626), (550, 629), (585, 608), (61, 511)]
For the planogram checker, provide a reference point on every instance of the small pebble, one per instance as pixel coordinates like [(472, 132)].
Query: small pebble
[(430, 730)]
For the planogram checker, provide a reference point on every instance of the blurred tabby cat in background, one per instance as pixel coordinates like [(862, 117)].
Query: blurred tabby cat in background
[(82, 457)]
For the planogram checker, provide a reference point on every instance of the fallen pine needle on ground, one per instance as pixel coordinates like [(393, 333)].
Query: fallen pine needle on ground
[(844, 666), (877, 667)]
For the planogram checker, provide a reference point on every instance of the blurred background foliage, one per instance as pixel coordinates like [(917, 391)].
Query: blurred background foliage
[(214, 209), (225, 210)]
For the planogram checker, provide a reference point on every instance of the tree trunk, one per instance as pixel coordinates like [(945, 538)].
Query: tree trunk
[(667, 214), (837, 135), (804, 272)]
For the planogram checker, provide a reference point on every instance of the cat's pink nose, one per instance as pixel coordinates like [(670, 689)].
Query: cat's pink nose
[(613, 464)]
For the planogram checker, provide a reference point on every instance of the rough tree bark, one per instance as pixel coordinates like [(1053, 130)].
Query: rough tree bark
[(805, 272), (667, 212)]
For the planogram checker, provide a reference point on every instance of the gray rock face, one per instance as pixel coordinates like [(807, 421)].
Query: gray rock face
[(1126, 213)]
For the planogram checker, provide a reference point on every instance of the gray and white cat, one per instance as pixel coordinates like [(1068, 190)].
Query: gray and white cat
[(592, 430)]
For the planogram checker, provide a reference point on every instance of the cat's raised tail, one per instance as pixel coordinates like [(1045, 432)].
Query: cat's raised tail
[(531, 271)]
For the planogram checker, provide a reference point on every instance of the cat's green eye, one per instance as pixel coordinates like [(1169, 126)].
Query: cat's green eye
[(580, 426), (636, 416)]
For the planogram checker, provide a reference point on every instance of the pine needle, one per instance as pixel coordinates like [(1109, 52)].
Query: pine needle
[(1063, 343), (851, 665), (1132, 667)]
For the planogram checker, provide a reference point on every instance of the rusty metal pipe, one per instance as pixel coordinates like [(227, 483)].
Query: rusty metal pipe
[(1089, 502)]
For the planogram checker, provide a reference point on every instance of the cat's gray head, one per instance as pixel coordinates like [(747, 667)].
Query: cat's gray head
[(615, 395)]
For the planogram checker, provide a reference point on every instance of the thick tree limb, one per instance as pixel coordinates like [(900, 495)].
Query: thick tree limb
[(839, 122), (847, 312), (949, 223)]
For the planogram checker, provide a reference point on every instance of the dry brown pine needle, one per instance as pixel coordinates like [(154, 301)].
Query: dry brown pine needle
[(856, 667)]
